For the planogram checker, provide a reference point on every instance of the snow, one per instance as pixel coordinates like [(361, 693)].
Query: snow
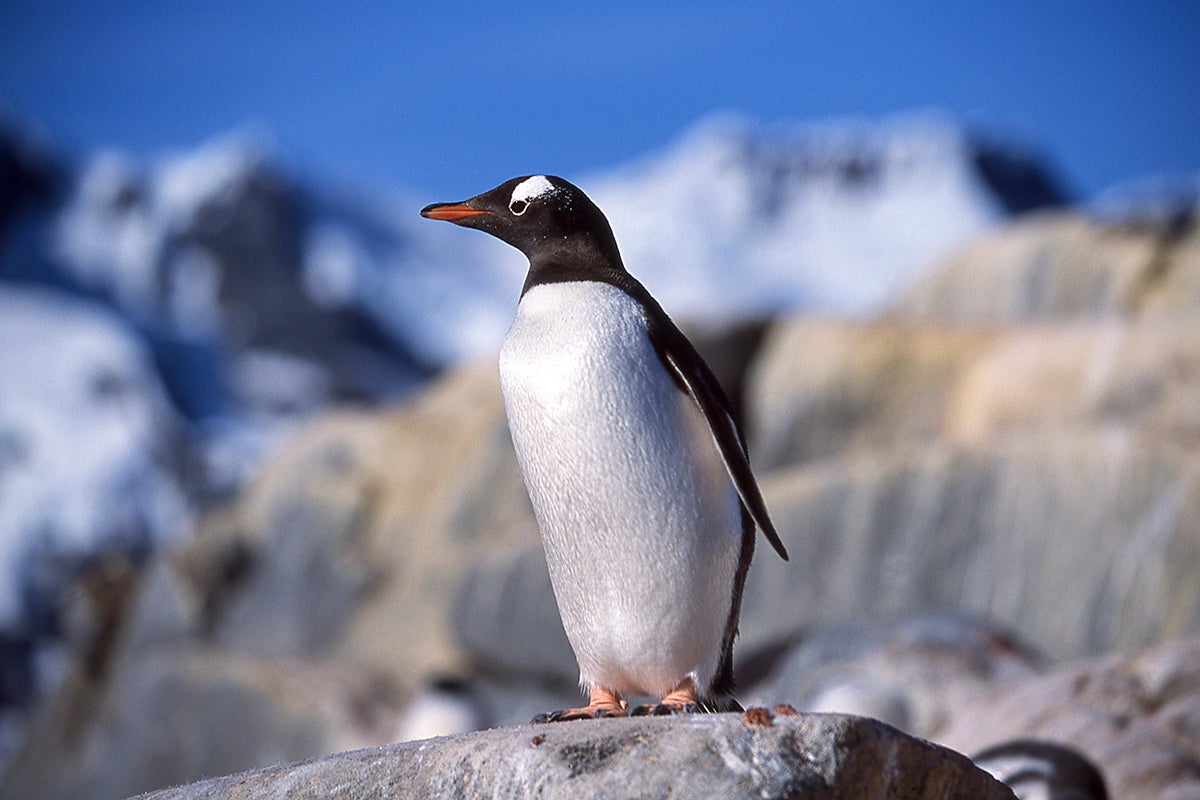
[(83, 423), (107, 237), (333, 259), (121, 232), (184, 183), (734, 221)]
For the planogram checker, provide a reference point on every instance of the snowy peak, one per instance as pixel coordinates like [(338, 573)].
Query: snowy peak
[(739, 219), (255, 274)]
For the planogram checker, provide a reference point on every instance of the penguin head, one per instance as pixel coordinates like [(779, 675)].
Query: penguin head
[(543, 216)]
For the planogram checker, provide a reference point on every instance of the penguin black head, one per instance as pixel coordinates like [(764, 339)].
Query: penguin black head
[(547, 218)]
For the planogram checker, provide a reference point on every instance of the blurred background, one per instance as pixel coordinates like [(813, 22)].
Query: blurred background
[(257, 498)]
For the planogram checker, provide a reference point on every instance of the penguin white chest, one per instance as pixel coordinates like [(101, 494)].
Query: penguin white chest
[(640, 521)]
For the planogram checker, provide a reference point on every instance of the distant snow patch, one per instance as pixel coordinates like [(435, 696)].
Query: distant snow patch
[(86, 437)]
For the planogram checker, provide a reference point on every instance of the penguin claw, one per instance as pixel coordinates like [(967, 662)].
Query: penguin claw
[(568, 714), (664, 709)]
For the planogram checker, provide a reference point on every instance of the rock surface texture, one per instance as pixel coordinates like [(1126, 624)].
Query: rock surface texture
[(816, 757)]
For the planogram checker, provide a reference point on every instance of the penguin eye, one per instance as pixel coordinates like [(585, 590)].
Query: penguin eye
[(518, 207)]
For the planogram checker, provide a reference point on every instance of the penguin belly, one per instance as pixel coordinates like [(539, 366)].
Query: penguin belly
[(639, 519)]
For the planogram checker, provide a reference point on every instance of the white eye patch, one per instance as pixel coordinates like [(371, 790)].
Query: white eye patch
[(527, 190)]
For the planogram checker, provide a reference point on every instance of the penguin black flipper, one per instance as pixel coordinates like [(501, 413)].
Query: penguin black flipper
[(695, 377)]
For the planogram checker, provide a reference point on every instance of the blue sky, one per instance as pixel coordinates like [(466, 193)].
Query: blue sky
[(447, 98)]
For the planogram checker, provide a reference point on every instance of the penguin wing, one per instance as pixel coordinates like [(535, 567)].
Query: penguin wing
[(694, 377)]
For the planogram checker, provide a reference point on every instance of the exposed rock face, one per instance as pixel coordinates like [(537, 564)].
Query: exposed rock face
[(1055, 473), (1062, 264), (370, 522), (702, 756)]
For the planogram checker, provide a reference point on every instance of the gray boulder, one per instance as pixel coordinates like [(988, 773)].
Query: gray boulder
[(757, 755)]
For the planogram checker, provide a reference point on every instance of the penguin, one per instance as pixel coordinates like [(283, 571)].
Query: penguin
[(635, 467), (1042, 770)]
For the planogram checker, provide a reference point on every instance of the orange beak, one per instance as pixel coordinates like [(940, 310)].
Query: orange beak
[(450, 212)]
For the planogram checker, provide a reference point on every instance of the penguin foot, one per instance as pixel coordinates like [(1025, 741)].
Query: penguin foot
[(680, 700), (587, 712), (664, 709), (602, 703)]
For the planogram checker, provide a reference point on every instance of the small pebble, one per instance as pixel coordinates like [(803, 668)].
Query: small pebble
[(758, 716)]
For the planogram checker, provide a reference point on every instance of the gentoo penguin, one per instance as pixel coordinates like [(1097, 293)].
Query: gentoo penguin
[(1039, 770), (636, 469)]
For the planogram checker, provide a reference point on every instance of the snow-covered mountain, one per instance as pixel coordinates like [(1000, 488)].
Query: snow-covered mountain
[(738, 220), (341, 298), (88, 445)]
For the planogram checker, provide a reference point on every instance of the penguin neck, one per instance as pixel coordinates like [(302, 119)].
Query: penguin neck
[(579, 261)]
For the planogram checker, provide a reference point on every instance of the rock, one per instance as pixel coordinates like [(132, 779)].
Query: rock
[(823, 388), (912, 673), (1083, 545), (1061, 264), (1137, 717), (507, 620), (189, 713), (1055, 473), (29, 177), (360, 533), (701, 756)]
